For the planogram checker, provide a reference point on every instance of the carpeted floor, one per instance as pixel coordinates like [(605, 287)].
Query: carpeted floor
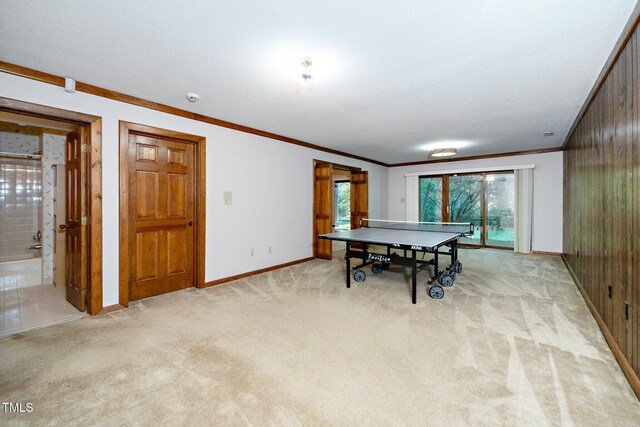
[(512, 343)]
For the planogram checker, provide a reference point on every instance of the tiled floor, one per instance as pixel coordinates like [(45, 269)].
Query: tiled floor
[(26, 308)]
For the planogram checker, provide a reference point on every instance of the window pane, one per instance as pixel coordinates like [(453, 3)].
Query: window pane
[(343, 205), (500, 210), (430, 200), (465, 204)]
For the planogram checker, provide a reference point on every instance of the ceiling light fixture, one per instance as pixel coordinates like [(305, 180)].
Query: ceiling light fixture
[(443, 152), (306, 68)]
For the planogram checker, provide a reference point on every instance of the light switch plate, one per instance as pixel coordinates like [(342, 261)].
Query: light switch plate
[(228, 197)]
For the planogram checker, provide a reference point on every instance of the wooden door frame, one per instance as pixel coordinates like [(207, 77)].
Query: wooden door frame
[(313, 213), (200, 209), (92, 126)]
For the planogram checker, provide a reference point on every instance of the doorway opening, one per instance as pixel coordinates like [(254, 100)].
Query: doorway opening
[(35, 268), (71, 255), (340, 201)]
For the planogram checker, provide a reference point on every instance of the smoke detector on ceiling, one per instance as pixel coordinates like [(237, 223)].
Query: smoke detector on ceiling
[(546, 134), (193, 97)]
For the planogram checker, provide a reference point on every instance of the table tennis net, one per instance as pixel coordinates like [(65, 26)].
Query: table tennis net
[(463, 228)]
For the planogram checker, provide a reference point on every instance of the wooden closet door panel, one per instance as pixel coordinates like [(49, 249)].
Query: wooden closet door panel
[(162, 205), (359, 198), (323, 208)]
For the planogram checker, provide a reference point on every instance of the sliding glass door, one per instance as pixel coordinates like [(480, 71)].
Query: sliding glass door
[(430, 200), (500, 209), (484, 199), (465, 204)]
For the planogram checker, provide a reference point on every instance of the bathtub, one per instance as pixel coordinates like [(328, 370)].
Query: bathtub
[(20, 270)]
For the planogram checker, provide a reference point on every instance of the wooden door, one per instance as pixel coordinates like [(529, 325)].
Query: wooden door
[(359, 198), (75, 228), (161, 213), (323, 209)]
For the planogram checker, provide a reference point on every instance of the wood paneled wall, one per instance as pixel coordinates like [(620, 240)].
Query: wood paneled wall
[(601, 205)]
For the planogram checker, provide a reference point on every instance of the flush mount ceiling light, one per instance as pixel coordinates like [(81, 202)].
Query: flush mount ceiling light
[(306, 63), (443, 152)]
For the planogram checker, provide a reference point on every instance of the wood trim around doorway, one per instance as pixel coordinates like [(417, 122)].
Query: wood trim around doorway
[(93, 131), (316, 163), (199, 251)]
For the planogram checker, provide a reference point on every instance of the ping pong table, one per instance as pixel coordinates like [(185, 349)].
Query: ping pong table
[(404, 242)]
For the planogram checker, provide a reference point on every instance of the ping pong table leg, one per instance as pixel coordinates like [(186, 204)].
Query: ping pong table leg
[(454, 253), (348, 261), (414, 273)]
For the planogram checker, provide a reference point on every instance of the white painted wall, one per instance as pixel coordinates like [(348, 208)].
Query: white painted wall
[(547, 197), (271, 181)]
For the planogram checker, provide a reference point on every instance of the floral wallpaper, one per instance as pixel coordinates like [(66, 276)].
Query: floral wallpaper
[(12, 142), (52, 154)]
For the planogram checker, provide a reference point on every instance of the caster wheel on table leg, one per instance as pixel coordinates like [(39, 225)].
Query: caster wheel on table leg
[(453, 273), (458, 267), (359, 276), (376, 268), (436, 291), (446, 280)]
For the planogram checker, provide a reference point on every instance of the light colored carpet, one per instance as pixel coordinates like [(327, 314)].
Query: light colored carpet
[(512, 343)]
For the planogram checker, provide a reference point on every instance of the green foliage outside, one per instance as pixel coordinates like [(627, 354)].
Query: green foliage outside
[(343, 196), (430, 203)]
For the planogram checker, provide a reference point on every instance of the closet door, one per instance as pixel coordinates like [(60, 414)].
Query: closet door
[(359, 198), (323, 209)]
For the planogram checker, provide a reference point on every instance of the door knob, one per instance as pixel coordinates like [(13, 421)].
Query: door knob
[(63, 226), (190, 223)]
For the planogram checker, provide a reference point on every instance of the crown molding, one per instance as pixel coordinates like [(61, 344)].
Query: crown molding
[(478, 157), (41, 76)]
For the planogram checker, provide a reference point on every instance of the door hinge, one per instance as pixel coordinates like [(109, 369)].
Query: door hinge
[(84, 220), (84, 148)]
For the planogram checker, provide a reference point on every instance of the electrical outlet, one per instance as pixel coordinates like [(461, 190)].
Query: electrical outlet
[(269, 249), (251, 252)]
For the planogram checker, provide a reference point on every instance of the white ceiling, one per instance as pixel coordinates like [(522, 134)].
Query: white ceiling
[(391, 78)]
